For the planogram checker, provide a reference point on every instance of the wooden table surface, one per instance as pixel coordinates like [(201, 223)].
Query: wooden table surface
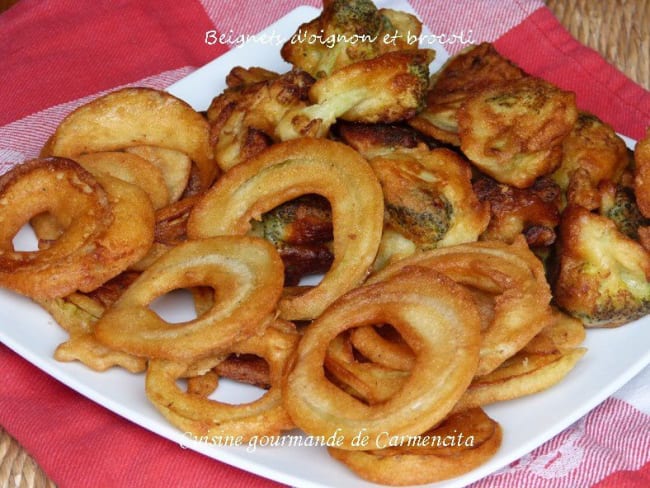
[(618, 29)]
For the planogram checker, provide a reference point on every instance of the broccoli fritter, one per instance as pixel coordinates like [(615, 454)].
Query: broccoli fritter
[(591, 153), (243, 118), (471, 70), (348, 31), (533, 212), (301, 230), (514, 130), (601, 276), (385, 89), (619, 205), (428, 196)]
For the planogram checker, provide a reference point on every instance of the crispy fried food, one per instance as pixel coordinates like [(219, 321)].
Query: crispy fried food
[(301, 231), (462, 442), (460, 78), (382, 347), (283, 172), (130, 168), (136, 117), (533, 211), (347, 32), (600, 276), (176, 167), (618, 203), (514, 131), (410, 301), (523, 374), (370, 382), (508, 276), (385, 89), (77, 314), (642, 174), (106, 224), (594, 148), (563, 334), (380, 139), (428, 197), (243, 118), (203, 416), (246, 276), (170, 230), (96, 356)]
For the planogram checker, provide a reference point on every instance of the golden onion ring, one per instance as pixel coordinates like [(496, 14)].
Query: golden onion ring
[(202, 416), (106, 226), (461, 443), (246, 275), (373, 383), (135, 117), (377, 349), (288, 170), (446, 358), (510, 273)]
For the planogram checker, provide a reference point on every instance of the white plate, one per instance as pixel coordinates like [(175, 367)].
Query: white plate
[(614, 356)]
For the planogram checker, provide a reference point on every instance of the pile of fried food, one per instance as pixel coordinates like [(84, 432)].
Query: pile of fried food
[(467, 225)]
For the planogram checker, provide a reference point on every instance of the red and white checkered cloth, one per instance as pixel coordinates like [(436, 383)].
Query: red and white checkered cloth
[(58, 54)]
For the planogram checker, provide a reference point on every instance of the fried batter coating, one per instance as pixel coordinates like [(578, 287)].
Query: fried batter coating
[(642, 174), (377, 139), (243, 118), (591, 153), (301, 230), (618, 204), (385, 89), (461, 77), (533, 212), (348, 31), (602, 277), (429, 197), (514, 131)]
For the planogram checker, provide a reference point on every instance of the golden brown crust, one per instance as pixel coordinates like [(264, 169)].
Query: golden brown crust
[(107, 225), (460, 78), (533, 212), (514, 131), (600, 275), (283, 172)]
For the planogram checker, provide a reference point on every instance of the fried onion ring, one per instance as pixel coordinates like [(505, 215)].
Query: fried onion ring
[(106, 225), (246, 275), (283, 172), (206, 417), (461, 443), (135, 117), (446, 357), (510, 275)]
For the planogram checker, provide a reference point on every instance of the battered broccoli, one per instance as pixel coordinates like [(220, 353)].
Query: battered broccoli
[(385, 89), (602, 277), (619, 205), (348, 31)]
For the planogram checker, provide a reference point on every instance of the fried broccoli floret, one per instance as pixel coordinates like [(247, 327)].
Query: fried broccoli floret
[(348, 31), (301, 231), (243, 117), (385, 89), (602, 277), (533, 211), (619, 205), (591, 153)]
